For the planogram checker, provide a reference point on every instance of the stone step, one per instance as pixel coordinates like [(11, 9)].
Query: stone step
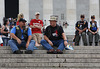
[(80, 65), (82, 60), (65, 51), (67, 65), (29, 65), (67, 56), (70, 36), (34, 60), (75, 47), (49, 60)]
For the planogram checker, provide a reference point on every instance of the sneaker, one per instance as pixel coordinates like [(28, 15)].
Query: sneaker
[(18, 52), (59, 51), (52, 51), (96, 44), (28, 52), (90, 44), (85, 44)]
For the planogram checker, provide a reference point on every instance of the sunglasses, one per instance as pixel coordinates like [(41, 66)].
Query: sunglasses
[(82, 16)]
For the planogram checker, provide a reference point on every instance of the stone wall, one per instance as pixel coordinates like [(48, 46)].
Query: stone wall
[(67, 10)]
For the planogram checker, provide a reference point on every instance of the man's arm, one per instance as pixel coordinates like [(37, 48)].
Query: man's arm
[(65, 39), (39, 27), (36, 26), (13, 31), (97, 30), (32, 26), (90, 30), (29, 37), (28, 41), (64, 36), (16, 38), (47, 39), (84, 29), (77, 29), (97, 27)]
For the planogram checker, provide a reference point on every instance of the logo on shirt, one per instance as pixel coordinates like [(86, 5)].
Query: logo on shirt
[(55, 34), (93, 24), (39, 21), (36, 24)]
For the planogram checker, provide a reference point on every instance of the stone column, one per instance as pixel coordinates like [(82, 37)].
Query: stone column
[(24, 8), (47, 10), (94, 9), (2, 11), (71, 16)]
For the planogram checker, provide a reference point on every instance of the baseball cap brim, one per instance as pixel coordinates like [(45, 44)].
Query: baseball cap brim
[(22, 20), (37, 13)]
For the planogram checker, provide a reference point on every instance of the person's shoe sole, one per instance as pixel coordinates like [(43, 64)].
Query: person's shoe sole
[(28, 52), (18, 52)]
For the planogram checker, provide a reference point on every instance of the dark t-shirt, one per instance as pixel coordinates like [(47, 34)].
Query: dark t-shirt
[(54, 33), (82, 24)]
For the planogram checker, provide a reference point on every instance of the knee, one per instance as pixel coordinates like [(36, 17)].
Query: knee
[(90, 33), (83, 33), (10, 41), (97, 34), (43, 41)]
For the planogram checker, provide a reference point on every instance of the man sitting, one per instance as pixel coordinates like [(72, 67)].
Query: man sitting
[(54, 36), (21, 37)]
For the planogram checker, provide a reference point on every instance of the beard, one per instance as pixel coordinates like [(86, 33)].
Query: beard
[(23, 27)]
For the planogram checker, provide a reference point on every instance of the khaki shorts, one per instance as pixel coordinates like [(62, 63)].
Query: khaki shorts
[(37, 37)]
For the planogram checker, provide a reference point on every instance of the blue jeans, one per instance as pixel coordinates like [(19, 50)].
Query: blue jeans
[(58, 43), (5, 41), (14, 45)]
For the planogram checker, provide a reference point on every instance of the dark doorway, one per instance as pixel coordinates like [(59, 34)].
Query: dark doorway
[(11, 8)]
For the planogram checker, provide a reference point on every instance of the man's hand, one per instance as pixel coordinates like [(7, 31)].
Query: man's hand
[(37, 26), (93, 33), (80, 31), (8, 32), (19, 41), (65, 43), (34, 26), (27, 44), (50, 43)]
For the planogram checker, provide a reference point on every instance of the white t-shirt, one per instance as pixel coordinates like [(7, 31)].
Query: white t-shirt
[(93, 24)]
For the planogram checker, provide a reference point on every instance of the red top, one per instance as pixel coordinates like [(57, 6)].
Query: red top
[(17, 23), (36, 22)]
